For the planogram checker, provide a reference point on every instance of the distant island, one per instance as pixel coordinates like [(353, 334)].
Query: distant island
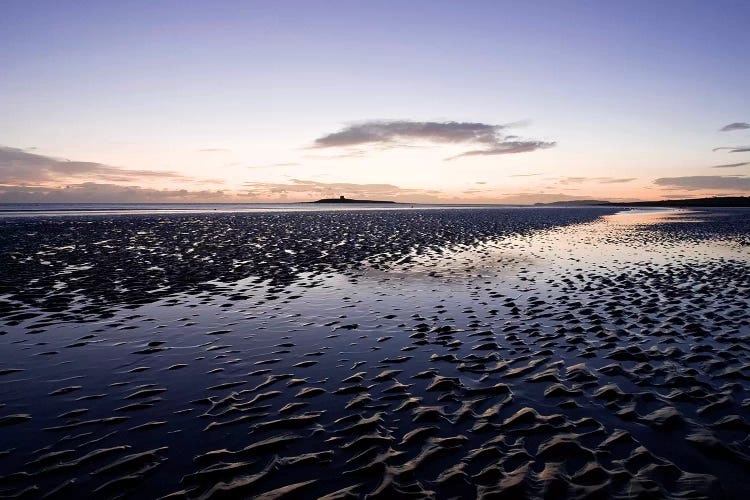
[(342, 199), (718, 201)]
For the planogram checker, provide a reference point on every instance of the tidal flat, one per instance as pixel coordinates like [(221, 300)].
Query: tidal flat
[(488, 352)]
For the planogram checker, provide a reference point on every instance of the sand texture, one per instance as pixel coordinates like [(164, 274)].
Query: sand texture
[(490, 353)]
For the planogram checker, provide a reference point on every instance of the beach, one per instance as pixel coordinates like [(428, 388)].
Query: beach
[(543, 352)]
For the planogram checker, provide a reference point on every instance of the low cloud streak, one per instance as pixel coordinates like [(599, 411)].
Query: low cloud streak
[(317, 189), (93, 192), (507, 148), (598, 180), (18, 166), (732, 165)]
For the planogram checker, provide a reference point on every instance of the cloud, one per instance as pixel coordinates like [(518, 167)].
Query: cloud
[(733, 149), (572, 180), (735, 126), (732, 165), (294, 190), (92, 192), (610, 180), (317, 189), (600, 180), (213, 150), (507, 148), (525, 175), (207, 181), (18, 166), (395, 133), (706, 182), (391, 131)]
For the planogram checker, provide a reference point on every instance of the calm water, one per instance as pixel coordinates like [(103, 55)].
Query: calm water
[(58, 209)]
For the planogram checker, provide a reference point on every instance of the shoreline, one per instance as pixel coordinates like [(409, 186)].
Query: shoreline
[(169, 209)]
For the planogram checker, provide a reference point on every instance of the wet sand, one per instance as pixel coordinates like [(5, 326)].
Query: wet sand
[(510, 353)]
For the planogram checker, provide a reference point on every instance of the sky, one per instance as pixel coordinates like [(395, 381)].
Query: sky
[(419, 101)]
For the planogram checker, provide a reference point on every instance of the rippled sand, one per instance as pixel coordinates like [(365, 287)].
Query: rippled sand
[(541, 353)]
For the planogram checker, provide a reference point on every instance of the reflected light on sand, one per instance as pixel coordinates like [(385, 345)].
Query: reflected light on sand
[(651, 216)]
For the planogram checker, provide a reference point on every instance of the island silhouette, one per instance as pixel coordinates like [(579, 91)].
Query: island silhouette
[(343, 199)]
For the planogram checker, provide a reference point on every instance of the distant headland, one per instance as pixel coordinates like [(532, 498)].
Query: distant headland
[(343, 199), (718, 201)]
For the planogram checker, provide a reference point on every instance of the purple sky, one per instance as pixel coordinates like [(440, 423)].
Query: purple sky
[(290, 100)]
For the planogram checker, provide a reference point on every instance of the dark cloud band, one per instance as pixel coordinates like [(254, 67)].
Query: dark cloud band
[(397, 133), (735, 126), (699, 182)]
